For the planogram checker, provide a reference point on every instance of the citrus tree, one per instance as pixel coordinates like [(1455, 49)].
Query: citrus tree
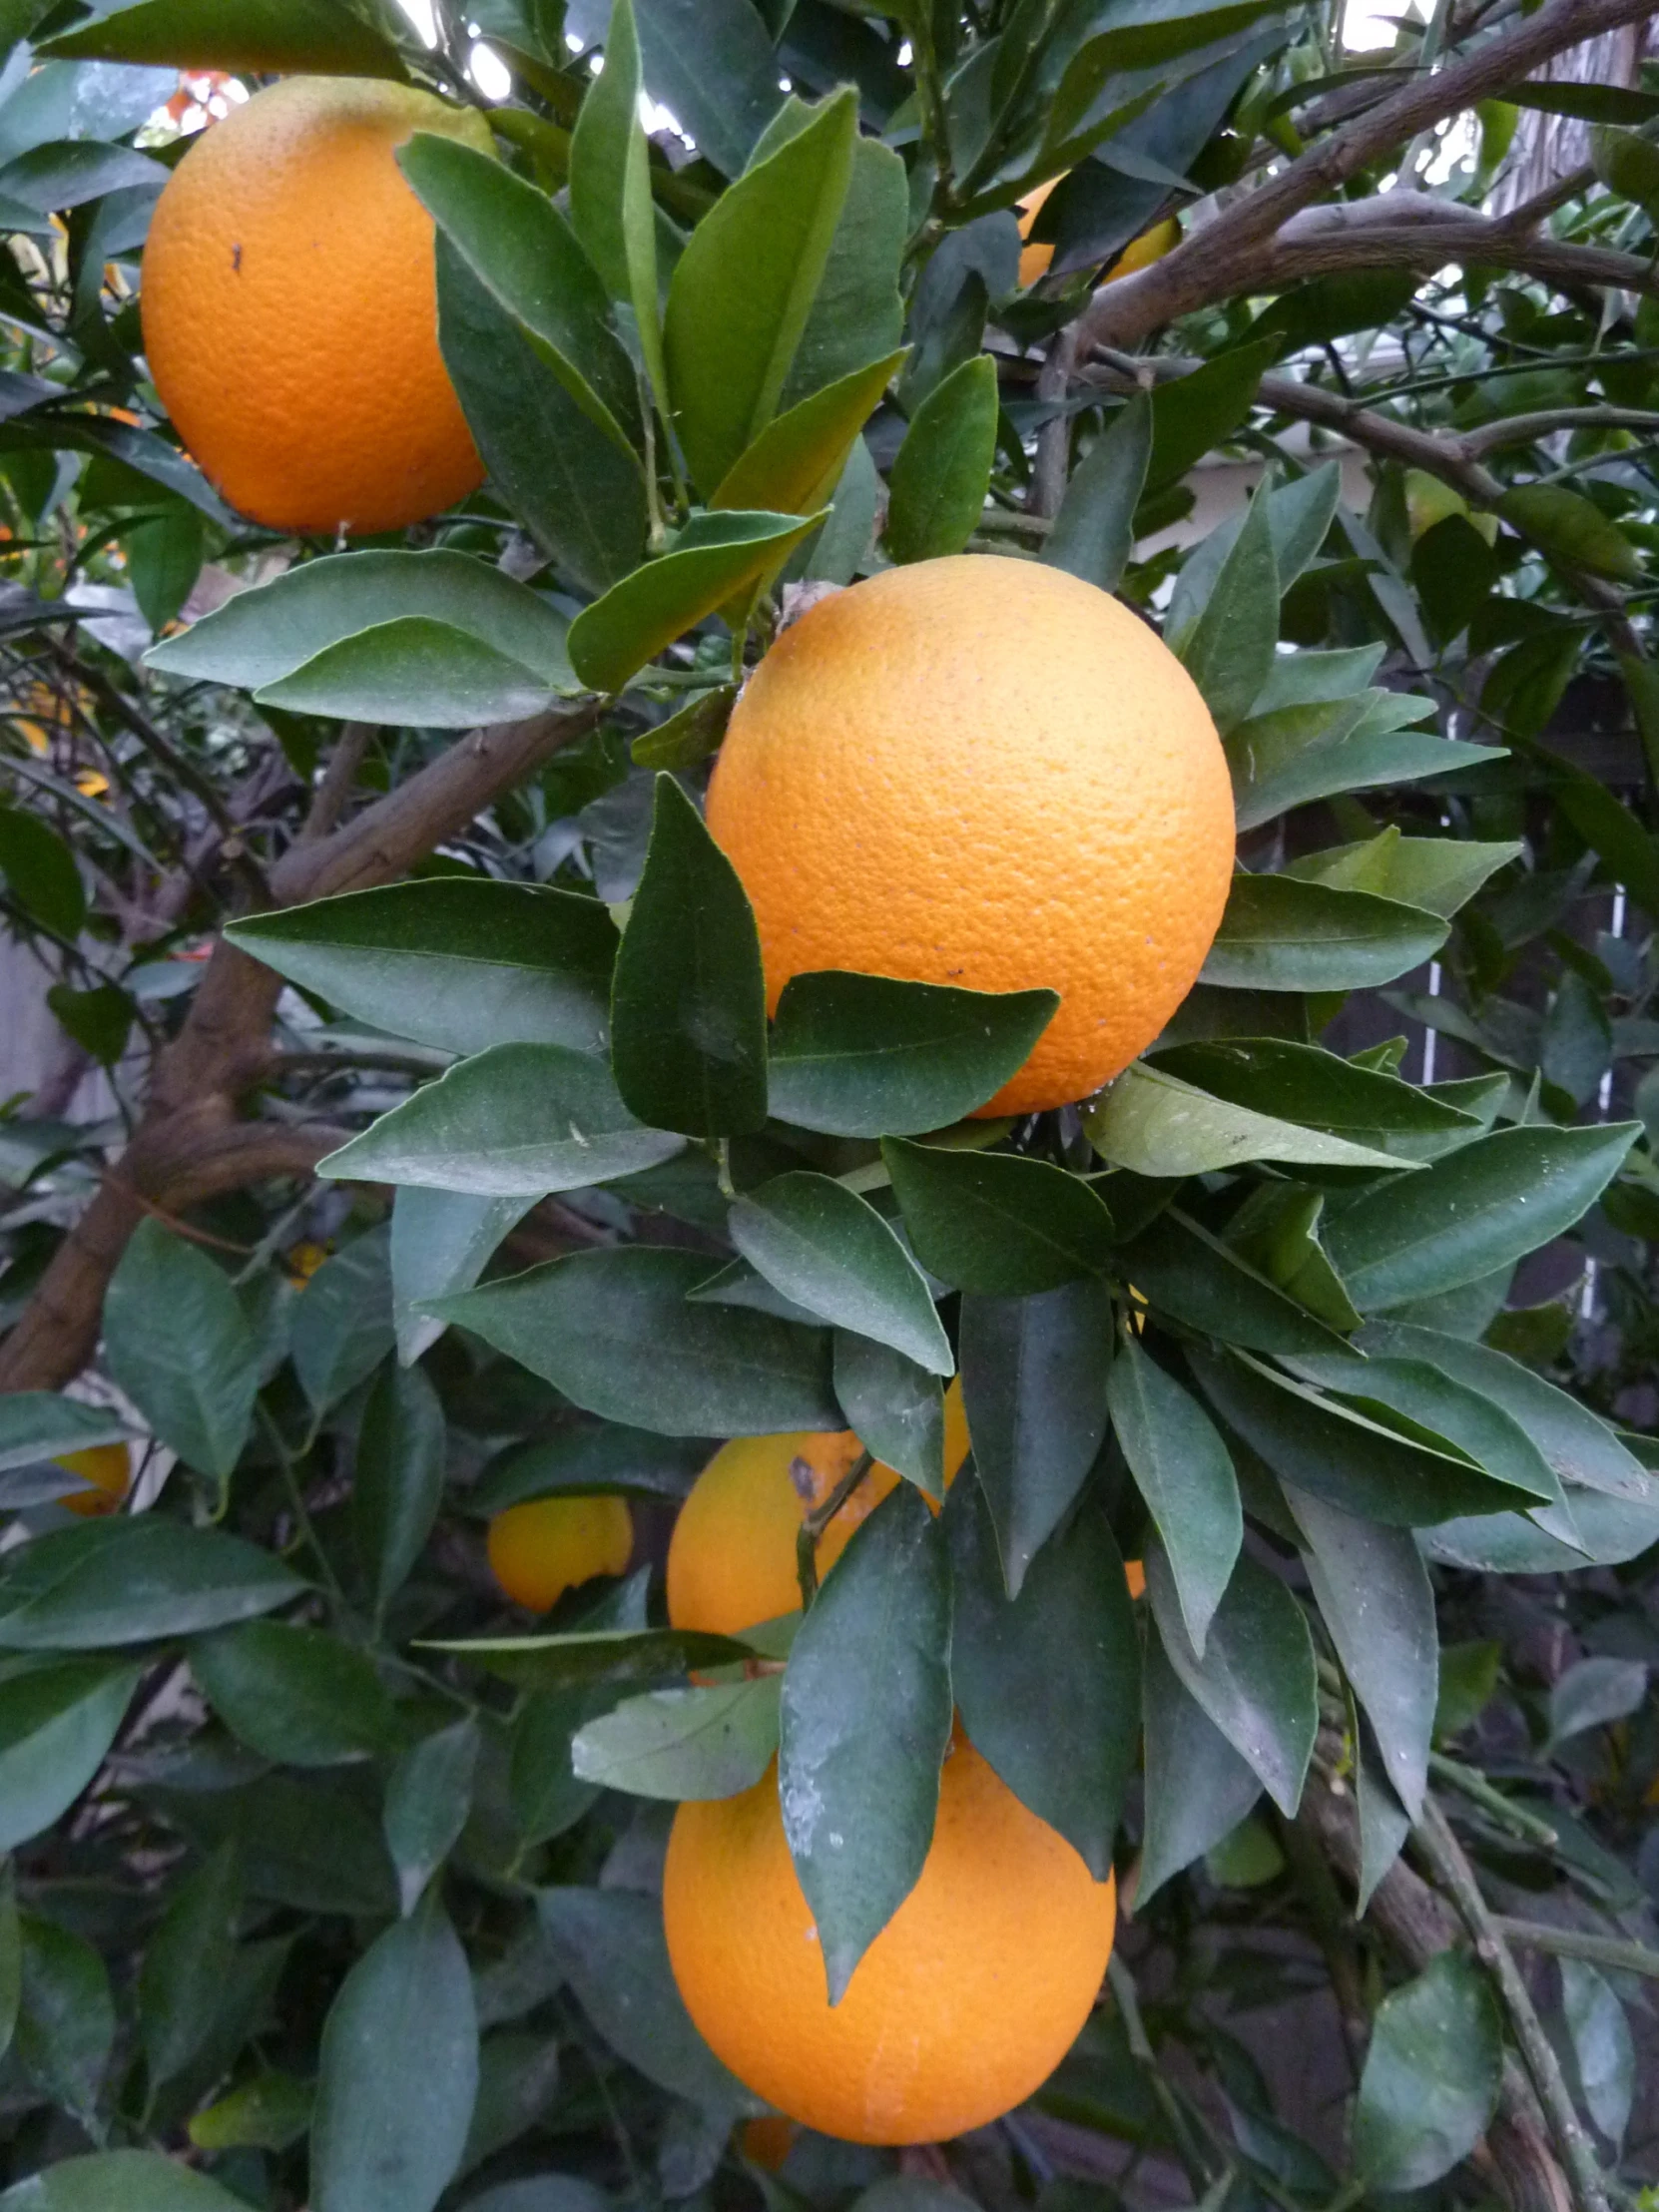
[(845, 1387)]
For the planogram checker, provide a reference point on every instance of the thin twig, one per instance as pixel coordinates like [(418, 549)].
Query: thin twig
[(1508, 1814), (818, 1520), (1617, 1955)]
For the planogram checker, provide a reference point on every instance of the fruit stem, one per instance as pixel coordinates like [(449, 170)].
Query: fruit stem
[(818, 1520)]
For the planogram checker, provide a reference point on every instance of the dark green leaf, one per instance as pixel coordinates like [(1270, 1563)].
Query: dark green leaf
[(413, 669), (547, 1796), (1191, 415), (857, 316), (614, 1331), (343, 1327), (296, 1696), (134, 1580), (1235, 641), (1603, 2051), (260, 35), (1094, 531), (994, 1223), (940, 480), (1569, 527), (56, 1725), (1182, 1471), (610, 188), (895, 1407), (456, 963), (186, 1962), (1480, 1208), (594, 1459), (1288, 755), (1430, 2077), (441, 1241), (268, 2112), (66, 2025), (40, 872), (712, 66), (1198, 1789), (706, 1742), (741, 293), (1593, 1693), (1048, 1683), (517, 1121), (690, 735), (829, 1251), (1256, 1679), (428, 1798), (794, 464), (399, 2072), (39, 1425), (100, 1021), (397, 1481), (1304, 1083), (164, 559), (180, 1346), (709, 564), (868, 1056), (1153, 1123), (1034, 1381), (865, 1722), (1197, 1280), (1278, 934), (133, 2180), (688, 1006)]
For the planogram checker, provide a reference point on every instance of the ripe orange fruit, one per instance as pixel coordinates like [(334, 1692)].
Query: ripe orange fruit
[(108, 1466), (986, 772), (960, 2008), (732, 1558), (291, 310), (540, 1550), (1035, 262)]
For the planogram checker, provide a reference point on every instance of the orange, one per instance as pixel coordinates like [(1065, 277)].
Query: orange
[(291, 310), (984, 772), (1134, 1573), (960, 2008), (543, 1548), (766, 2142), (1150, 247), (732, 1557), (108, 1466)]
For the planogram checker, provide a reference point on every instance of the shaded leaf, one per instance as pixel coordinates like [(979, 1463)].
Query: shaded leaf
[(1198, 1789), (830, 1252), (1278, 934), (895, 1407), (185, 1964), (428, 1799), (342, 1325), (397, 1478), (1093, 534), (56, 1725), (1430, 2077), (296, 1696), (706, 1742), (179, 1346), (941, 476), (995, 1223), (1182, 1471), (135, 1580), (1151, 1123)]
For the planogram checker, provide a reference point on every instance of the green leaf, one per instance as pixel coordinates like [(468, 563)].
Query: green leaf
[(1191, 415), (597, 1457), (134, 1580), (1627, 851), (258, 35), (268, 2112), (1048, 1683), (100, 1021), (709, 564), (179, 1346), (868, 1056), (39, 1425), (399, 2072), (520, 247), (343, 1327), (133, 2180), (164, 559), (1186, 1272), (546, 1796), (458, 962), (794, 464), (614, 1331), (1034, 1380), (995, 1223), (1281, 935), (1479, 1208), (296, 1696), (1094, 531), (1154, 1124), (1432, 2076), (1182, 1471), (11, 1956), (1603, 2051), (56, 1725), (707, 1742), (1440, 875), (895, 1406), (942, 475), (609, 188), (584, 1657), (185, 1964), (742, 291), (1357, 1464), (865, 1722), (1286, 757), (830, 1252), (712, 65), (397, 1478), (414, 670), (688, 1005), (428, 1799), (1567, 527), (40, 872), (858, 315), (1593, 1693), (1233, 647), (1304, 1083), (66, 2025), (517, 1121), (612, 1946), (1373, 1591), (580, 495), (284, 628), (441, 1241), (1256, 1679), (1198, 1789)]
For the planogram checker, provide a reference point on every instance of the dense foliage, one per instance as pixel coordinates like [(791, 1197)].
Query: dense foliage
[(332, 1876)]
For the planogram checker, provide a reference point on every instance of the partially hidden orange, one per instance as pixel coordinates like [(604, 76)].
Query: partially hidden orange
[(108, 1467), (290, 308), (548, 1545), (1035, 257), (984, 772)]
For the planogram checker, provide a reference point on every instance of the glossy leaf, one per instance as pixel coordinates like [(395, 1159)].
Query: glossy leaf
[(1182, 1471), (517, 1121), (1440, 874), (282, 35), (456, 963), (441, 1242), (185, 1964), (870, 1056), (1094, 531), (830, 1252), (1256, 1677), (614, 1331), (179, 1346), (414, 670), (1305, 1084), (342, 1325), (1430, 2077), (688, 1008), (1185, 1272), (941, 476), (1034, 1387), (610, 188), (1198, 1789), (794, 464), (1278, 934), (428, 1798), (1232, 647), (40, 1425), (56, 1725), (865, 1723), (1048, 1683), (1151, 1123), (135, 1580), (707, 1741), (994, 1223), (711, 63), (895, 1407), (1479, 1208), (397, 1479), (296, 1696), (399, 2072), (858, 315)]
